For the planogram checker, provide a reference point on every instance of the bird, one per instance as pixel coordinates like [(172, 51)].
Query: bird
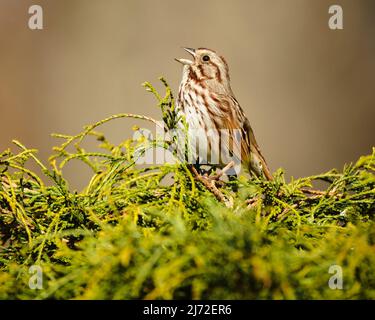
[(219, 131)]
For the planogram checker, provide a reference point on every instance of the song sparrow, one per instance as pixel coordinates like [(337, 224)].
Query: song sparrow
[(216, 120)]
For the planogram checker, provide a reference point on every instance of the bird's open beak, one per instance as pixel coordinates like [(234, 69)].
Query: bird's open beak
[(187, 61)]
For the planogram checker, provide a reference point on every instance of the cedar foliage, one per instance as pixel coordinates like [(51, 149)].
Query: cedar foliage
[(130, 235)]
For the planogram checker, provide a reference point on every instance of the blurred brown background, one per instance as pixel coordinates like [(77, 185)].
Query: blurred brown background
[(308, 91)]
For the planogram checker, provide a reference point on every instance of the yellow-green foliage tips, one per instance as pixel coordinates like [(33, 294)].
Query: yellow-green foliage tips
[(131, 235)]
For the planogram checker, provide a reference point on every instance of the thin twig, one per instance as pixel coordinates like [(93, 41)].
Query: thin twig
[(253, 202), (286, 210), (318, 193)]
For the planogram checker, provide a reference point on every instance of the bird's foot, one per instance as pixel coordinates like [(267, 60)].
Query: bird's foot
[(223, 171), (211, 184)]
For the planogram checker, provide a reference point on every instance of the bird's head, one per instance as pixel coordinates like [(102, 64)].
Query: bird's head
[(206, 66)]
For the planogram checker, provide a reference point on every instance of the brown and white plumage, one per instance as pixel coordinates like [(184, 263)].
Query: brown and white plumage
[(211, 110)]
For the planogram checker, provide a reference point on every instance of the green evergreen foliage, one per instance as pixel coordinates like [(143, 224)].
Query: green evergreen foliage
[(131, 235)]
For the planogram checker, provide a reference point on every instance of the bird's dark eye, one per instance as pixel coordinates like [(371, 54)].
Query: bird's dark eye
[(206, 58)]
